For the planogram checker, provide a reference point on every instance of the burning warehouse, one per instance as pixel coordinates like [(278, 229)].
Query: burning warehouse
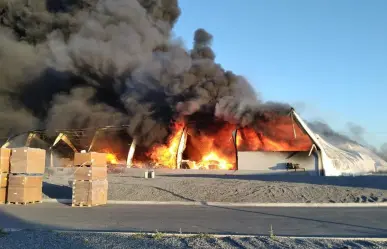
[(217, 144), (75, 71), (272, 145)]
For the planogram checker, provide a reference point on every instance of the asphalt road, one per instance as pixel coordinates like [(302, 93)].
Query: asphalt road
[(336, 222)]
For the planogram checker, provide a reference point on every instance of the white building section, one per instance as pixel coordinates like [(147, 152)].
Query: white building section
[(342, 158)]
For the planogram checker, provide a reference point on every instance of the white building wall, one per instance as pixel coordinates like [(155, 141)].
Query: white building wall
[(275, 162)]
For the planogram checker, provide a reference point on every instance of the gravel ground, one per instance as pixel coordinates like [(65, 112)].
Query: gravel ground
[(55, 240), (234, 188)]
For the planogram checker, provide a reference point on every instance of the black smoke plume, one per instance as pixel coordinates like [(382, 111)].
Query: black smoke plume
[(88, 63)]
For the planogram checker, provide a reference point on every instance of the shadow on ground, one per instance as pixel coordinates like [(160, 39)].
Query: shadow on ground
[(54, 191), (372, 181)]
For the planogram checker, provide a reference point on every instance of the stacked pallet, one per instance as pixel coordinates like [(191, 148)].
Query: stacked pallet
[(25, 182), (4, 172), (90, 185)]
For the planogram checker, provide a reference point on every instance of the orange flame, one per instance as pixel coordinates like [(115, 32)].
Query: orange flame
[(111, 158), (215, 148), (212, 151), (166, 154), (216, 161), (279, 135)]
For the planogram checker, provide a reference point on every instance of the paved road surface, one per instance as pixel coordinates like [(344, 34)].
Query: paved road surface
[(338, 222)]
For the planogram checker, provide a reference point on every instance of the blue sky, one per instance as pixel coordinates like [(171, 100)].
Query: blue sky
[(326, 58)]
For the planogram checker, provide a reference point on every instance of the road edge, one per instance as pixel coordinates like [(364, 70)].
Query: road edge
[(229, 204), (375, 239)]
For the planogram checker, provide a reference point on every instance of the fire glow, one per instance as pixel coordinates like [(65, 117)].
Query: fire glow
[(165, 154), (280, 134), (111, 158), (214, 147), (214, 159)]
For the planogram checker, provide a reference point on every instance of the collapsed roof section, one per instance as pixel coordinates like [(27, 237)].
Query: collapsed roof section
[(341, 159)]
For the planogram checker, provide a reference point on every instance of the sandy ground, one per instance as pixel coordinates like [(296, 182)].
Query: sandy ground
[(54, 240), (233, 188)]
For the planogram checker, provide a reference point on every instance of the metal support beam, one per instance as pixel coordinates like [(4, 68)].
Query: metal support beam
[(294, 128), (181, 148), (57, 139), (31, 135), (6, 144), (129, 159), (311, 149), (69, 143), (65, 139), (93, 140), (235, 137), (51, 158)]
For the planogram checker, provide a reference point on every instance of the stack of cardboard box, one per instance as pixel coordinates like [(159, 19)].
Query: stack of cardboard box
[(25, 181), (90, 185), (4, 172)]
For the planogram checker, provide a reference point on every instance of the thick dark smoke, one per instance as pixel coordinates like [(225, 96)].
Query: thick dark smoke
[(92, 63), (88, 63)]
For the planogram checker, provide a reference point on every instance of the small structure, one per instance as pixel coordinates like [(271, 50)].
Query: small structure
[(149, 174)]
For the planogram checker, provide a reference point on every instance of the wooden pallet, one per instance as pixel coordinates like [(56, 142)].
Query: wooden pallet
[(84, 205), (25, 174), (95, 180), (24, 203), (82, 165)]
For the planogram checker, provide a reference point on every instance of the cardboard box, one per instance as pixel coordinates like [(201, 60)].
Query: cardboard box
[(5, 155), (90, 173), (93, 159), (24, 195), (28, 160), (24, 188), (24, 181), (90, 193), (3, 180), (3, 195)]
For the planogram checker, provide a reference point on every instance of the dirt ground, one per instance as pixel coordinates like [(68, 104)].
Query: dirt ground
[(43, 239), (231, 188)]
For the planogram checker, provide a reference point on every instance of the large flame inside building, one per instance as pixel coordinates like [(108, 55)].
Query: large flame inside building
[(162, 155), (210, 148), (279, 134), (206, 144), (111, 158), (214, 145)]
